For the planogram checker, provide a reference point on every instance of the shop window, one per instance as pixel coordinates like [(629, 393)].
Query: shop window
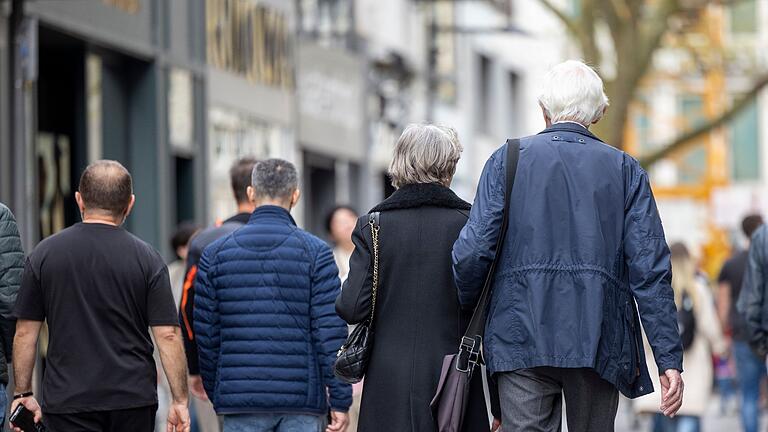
[(485, 95), (693, 164), (180, 110), (744, 16), (745, 145), (328, 20)]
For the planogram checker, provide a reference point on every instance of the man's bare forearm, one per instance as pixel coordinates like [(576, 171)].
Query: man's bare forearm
[(24, 350), (174, 361), (724, 303)]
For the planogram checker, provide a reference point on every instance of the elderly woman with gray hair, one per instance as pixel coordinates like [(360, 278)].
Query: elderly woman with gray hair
[(418, 319)]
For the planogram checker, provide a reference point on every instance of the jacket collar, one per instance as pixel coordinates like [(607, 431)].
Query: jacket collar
[(422, 195), (271, 212), (570, 127), (241, 218)]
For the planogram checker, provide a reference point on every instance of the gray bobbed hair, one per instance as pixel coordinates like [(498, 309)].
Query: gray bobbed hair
[(425, 153)]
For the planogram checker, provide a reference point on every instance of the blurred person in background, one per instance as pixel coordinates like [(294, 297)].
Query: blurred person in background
[(701, 335), (180, 247), (264, 318), (753, 304), (750, 368), (340, 223), (11, 268), (240, 180), (176, 269), (100, 289), (418, 319)]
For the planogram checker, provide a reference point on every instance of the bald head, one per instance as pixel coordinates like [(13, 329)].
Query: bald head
[(106, 187)]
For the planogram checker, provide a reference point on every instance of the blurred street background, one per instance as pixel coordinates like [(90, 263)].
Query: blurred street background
[(177, 90)]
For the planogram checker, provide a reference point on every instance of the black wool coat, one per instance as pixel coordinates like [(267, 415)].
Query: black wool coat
[(418, 319)]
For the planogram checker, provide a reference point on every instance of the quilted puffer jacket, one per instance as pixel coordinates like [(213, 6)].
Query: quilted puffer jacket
[(11, 267), (264, 319)]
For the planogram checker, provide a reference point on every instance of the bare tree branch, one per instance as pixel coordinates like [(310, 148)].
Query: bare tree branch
[(685, 139), (652, 36), (583, 28), (568, 21)]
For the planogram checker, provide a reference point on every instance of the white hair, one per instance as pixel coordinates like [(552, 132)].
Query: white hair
[(425, 153), (573, 92)]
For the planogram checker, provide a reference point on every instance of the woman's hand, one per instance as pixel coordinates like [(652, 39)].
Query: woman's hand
[(496, 425)]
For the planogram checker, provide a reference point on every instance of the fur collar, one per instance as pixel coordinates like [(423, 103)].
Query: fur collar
[(422, 195)]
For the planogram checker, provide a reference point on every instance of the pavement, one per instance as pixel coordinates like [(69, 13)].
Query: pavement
[(713, 421)]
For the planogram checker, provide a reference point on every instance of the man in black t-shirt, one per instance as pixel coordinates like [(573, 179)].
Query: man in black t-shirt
[(100, 289), (749, 367)]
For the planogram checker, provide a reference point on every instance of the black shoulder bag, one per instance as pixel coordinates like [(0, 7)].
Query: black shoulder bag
[(352, 358), (450, 401)]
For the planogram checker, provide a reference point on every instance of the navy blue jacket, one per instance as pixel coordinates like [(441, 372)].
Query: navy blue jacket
[(265, 323), (584, 251)]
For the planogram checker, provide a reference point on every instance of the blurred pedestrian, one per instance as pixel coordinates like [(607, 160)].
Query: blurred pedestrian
[(753, 303), (240, 179), (11, 267), (100, 289), (418, 319), (702, 336), (180, 246), (584, 245), (340, 223), (264, 321), (750, 368)]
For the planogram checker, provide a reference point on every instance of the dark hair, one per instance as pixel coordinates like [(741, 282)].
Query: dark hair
[(274, 178), (240, 177), (678, 249), (750, 224), (182, 235), (332, 213), (107, 186)]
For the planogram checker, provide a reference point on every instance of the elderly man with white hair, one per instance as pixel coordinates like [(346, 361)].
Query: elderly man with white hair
[(583, 261)]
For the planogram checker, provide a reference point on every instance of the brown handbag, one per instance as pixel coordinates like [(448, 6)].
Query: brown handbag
[(450, 402)]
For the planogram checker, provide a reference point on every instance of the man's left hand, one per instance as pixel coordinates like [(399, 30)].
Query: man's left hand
[(339, 422), (178, 418), (31, 404)]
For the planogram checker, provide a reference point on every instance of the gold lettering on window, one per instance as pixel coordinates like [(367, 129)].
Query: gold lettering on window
[(250, 39), (130, 6)]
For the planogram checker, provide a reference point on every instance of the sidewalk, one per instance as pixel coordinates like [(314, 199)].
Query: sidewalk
[(713, 421)]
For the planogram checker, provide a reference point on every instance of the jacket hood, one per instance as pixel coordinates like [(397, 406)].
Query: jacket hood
[(422, 195)]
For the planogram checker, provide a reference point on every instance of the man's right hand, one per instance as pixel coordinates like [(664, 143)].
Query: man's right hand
[(196, 387), (31, 404), (671, 392), (178, 418)]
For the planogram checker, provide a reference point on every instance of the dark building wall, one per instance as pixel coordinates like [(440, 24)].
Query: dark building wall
[(137, 47)]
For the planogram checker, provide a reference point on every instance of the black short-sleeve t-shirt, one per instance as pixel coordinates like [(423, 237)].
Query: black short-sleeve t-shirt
[(733, 273), (100, 289)]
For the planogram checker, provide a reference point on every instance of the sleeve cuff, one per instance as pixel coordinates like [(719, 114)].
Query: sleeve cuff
[(667, 365)]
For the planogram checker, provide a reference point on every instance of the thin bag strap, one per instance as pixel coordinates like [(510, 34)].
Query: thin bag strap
[(476, 328), (373, 221)]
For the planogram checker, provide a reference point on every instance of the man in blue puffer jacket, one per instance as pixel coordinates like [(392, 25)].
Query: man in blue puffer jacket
[(265, 323), (584, 252)]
